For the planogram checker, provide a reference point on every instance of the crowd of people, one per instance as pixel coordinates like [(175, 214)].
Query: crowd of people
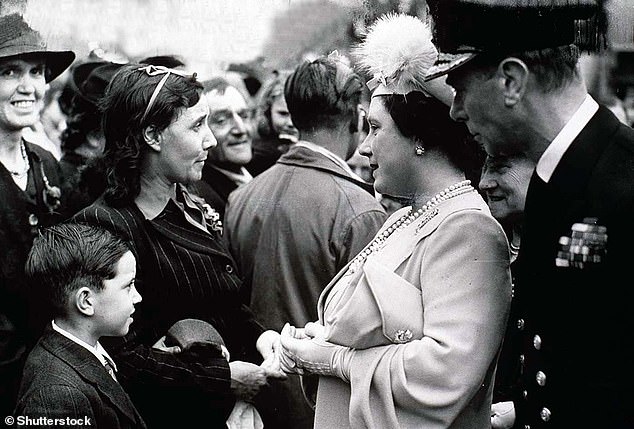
[(429, 232)]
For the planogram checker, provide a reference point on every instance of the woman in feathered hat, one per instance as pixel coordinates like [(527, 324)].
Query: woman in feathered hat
[(29, 181), (409, 331)]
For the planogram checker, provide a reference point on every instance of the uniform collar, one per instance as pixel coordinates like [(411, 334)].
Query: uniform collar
[(555, 151)]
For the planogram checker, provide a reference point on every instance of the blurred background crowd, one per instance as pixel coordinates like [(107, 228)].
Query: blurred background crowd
[(251, 40)]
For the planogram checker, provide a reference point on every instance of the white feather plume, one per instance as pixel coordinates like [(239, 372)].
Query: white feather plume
[(399, 50)]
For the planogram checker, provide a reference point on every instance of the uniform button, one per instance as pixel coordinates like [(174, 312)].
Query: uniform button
[(545, 414), (229, 269), (541, 378), (522, 359), (537, 342), (525, 394), (520, 324), (33, 220)]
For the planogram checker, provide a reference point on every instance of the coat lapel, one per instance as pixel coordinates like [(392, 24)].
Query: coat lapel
[(398, 254), (575, 168), (89, 368)]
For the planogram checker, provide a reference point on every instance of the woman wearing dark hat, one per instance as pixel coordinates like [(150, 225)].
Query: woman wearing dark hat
[(83, 140), (29, 181), (409, 331), (157, 138)]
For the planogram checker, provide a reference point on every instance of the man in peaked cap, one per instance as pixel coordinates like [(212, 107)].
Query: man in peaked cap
[(29, 182), (513, 65)]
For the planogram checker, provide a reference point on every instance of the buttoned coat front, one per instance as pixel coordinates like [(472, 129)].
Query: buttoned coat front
[(576, 324)]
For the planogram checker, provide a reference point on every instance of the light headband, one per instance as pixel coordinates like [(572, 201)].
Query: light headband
[(152, 70)]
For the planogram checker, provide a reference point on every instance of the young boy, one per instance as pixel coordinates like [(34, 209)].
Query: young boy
[(87, 276)]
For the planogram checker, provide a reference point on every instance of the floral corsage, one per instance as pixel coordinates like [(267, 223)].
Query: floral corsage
[(212, 217)]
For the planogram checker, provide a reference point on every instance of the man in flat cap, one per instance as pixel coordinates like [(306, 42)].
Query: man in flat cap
[(29, 182), (513, 65)]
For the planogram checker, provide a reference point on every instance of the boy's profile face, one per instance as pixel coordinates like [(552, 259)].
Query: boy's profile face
[(114, 304)]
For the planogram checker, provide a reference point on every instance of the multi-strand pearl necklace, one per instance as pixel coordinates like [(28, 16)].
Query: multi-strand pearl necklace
[(426, 213)]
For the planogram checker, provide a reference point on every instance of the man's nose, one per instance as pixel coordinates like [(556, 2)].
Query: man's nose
[(456, 112)]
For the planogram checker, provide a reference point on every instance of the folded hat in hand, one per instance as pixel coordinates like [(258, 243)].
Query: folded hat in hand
[(186, 332)]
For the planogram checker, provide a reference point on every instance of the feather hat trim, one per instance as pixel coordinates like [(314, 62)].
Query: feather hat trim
[(398, 53)]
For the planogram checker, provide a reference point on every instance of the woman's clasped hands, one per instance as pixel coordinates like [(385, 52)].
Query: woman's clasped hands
[(305, 350)]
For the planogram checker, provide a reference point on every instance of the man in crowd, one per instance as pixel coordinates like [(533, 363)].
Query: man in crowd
[(513, 65), (298, 223), (230, 120)]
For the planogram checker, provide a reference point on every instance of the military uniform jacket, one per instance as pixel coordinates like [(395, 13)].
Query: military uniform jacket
[(64, 380), (576, 323)]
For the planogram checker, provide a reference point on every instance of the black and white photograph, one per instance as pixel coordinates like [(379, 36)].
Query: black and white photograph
[(316, 214)]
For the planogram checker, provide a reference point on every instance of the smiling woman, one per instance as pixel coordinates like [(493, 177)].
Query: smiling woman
[(30, 181)]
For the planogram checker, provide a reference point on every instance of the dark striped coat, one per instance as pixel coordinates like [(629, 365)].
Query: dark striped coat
[(182, 272)]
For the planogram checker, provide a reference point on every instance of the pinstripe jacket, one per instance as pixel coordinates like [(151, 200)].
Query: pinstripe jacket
[(182, 272)]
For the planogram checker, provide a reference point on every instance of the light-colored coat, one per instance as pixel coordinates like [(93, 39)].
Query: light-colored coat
[(449, 284)]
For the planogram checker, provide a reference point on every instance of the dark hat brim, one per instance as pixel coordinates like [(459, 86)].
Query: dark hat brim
[(446, 63), (56, 61)]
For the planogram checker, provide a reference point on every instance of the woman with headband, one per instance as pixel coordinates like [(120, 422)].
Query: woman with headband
[(157, 138), (409, 331)]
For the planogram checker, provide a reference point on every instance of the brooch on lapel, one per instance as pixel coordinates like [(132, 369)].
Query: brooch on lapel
[(586, 245), (212, 217)]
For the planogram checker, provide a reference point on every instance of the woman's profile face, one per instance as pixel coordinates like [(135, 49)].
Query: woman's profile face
[(184, 145), (390, 153)]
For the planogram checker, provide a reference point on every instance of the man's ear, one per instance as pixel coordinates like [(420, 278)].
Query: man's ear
[(84, 301), (152, 137), (514, 75)]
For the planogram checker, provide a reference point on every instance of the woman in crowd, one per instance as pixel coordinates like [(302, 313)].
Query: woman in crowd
[(155, 125), (409, 331), (30, 182), (275, 129), (505, 181), (83, 141)]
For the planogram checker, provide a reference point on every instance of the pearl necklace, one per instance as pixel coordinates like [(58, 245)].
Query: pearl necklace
[(426, 213)]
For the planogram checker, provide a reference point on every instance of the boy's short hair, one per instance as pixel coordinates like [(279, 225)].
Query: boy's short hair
[(69, 256)]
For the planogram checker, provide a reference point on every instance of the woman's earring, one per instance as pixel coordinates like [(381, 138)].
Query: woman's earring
[(420, 150)]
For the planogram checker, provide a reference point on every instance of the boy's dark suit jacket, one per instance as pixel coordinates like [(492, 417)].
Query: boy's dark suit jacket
[(576, 324), (62, 379)]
